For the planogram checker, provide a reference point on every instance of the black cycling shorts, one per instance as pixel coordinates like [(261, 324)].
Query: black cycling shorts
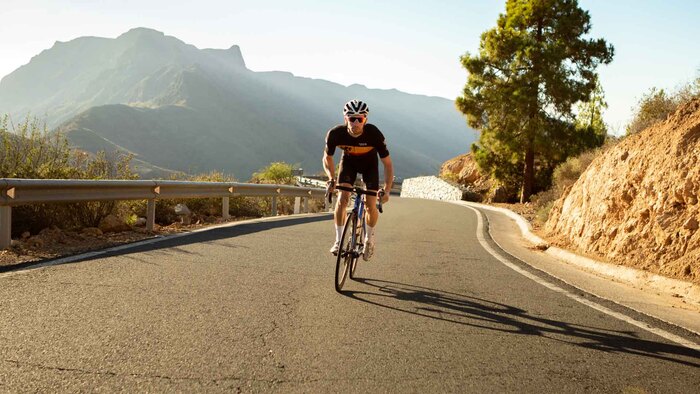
[(367, 165)]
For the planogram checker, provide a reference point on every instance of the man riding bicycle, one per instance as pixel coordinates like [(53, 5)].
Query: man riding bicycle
[(361, 143)]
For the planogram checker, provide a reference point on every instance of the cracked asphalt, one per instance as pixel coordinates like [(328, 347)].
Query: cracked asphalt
[(252, 308)]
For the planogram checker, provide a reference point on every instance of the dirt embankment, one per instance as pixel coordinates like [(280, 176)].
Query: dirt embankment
[(637, 204), (462, 169)]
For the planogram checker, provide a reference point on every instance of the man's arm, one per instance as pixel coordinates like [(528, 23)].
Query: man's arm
[(328, 166), (388, 177)]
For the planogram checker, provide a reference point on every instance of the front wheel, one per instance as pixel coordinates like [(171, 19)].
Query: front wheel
[(353, 266), (345, 253), (359, 234)]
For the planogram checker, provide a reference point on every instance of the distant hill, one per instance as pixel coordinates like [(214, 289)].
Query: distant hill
[(177, 107)]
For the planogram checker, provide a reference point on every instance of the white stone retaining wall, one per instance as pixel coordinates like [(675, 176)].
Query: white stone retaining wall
[(430, 187)]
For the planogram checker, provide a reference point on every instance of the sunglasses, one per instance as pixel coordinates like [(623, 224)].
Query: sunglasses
[(354, 119)]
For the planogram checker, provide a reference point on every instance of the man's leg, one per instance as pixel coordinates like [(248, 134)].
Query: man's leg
[(346, 177), (371, 217), (339, 216), (341, 206), (372, 211), (370, 175)]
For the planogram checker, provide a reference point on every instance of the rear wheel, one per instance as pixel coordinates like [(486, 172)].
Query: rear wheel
[(345, 253)]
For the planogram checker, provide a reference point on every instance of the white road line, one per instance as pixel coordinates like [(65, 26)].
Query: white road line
[(662, 333), (152, 241)]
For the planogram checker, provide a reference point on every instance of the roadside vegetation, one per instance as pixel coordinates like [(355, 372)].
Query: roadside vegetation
[(564, 176), (281, 173), (653, 107), (208, 209), (534, 95), (531, 72), (657, 104), (28, 150)]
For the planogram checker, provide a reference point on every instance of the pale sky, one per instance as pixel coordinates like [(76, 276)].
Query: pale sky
[(413, 46)]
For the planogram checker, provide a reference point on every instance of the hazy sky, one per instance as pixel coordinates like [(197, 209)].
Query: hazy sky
[(413, 46)]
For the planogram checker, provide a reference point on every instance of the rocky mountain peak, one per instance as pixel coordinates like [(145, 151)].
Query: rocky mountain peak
[(184, 108), (140, 32)]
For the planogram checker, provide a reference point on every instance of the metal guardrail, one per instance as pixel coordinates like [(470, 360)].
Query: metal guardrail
[(15, 192), (310, 182)]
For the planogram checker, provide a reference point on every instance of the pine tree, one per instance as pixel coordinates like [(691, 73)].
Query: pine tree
[(531, 69), (590, 113)]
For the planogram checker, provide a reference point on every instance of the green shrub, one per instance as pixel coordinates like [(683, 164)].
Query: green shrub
[(99, 166), (450, 177), (275, 173), (29, 151), (279, 173), (202, 207), (657, 104)]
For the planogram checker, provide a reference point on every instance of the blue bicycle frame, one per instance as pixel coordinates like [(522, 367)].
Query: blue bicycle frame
[(359, 209), (349, 253)]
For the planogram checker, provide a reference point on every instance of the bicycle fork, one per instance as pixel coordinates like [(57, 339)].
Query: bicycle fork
[(360, 231)]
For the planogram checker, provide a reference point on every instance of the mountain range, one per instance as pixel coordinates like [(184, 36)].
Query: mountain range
[(177, 107)]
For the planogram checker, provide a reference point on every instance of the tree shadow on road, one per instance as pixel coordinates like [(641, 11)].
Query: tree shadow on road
[(479, 313)]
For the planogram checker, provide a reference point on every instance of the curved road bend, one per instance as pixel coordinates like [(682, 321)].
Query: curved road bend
[(252, 308)]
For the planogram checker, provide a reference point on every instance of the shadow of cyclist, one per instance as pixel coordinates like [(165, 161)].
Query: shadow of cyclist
[(480, 313)]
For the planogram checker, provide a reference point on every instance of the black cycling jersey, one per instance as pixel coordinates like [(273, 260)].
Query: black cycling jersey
[(370, 141), (359, 154)]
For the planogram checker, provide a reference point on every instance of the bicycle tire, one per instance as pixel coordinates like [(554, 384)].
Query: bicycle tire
[(355, 261), (353, 267), (345, 253)]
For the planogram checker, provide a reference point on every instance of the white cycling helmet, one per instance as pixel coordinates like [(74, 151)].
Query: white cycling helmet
[(355, 107)]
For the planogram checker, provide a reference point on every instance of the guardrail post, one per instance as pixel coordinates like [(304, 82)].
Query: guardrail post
[(274, 205), (5, 227), (224, 209), (306, 205), (297, 205), (151, 215)]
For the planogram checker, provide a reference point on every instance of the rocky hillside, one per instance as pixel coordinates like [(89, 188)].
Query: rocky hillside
[(183, 108), (637, 204), (464, 171), (461, 169)]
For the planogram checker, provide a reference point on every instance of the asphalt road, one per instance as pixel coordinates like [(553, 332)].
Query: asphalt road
[(253, 308)]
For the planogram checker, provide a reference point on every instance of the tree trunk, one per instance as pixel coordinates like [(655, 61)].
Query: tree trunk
[(529, 175), (529, 178)]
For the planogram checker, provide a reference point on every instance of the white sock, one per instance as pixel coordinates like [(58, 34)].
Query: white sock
[(338, 233), (370, 233)]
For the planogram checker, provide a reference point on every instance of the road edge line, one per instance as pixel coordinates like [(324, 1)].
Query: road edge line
[(629, 275), (657, 331)]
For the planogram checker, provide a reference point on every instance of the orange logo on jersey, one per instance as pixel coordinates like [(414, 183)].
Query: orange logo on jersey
[(355, 150)]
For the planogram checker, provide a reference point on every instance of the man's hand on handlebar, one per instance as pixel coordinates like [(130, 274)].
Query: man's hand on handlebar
[(330, 188), (383, 196)]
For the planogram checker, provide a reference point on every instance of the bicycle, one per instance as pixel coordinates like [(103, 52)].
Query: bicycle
[(354, 231)]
